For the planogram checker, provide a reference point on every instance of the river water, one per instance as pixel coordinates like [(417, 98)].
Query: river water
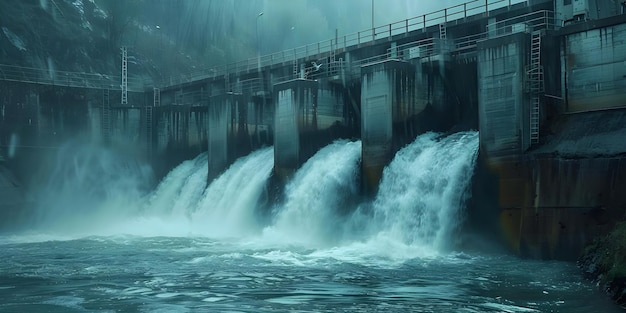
[(97, 244)]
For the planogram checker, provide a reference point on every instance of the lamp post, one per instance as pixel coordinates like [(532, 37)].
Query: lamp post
[(373, 30), (258, 44), (162, 51)]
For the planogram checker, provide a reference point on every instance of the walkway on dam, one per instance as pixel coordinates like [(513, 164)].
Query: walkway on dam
[(444, 18)]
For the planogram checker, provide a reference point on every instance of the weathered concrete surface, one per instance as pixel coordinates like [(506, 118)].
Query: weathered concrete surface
[(387, 98), (295, 114), (219, 121), (594, 64), (553, 201), (502, 104), (12, 197)]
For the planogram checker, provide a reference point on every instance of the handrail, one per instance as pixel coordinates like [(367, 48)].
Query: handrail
[(66, 79), (454, 13)]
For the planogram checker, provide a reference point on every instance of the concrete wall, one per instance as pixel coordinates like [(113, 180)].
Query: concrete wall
[(126, 127), (387, 99), (502, 103), (330, 108), (594, 64), (295, 113), (591, 9), (13, 198), (553, 207), (219, 121)]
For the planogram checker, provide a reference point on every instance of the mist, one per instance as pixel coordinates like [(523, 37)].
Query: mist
[(226, 31)]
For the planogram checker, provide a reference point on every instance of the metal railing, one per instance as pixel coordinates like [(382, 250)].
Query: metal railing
[(456, 13), (67, 79), (426, 47), (528, 23), (430, 47)]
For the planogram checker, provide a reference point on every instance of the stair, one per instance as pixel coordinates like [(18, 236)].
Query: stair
[(105, 116), (535, 85)]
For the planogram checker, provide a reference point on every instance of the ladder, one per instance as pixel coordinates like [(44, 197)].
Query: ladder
[(296, 73), (227, 83), (442, 31), (149, 123), (536, 85), (105, 116), (157, 97), (124, 76)]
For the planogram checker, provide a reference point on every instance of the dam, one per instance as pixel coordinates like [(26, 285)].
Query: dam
[(542, 81)]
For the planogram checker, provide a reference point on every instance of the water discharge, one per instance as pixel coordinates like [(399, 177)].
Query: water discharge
[(103, 243), (228, 207), (415, 211), (318, 197), (424, 188)]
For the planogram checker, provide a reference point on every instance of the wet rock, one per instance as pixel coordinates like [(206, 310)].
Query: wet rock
[(604, 262)]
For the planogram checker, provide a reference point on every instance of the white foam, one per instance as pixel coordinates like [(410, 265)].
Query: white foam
[(423, 190), (227, 208), (316, 195)]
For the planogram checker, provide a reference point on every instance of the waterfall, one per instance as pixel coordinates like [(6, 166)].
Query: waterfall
[(419, 202), (320, 190), (179, 187), (424, 188), (227, 208)]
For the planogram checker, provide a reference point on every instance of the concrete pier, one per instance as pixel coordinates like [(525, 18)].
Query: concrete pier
[(295, 113), (502, 103), (219, 122), (387, 98)]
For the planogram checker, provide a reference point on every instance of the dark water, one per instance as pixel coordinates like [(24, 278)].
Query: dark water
[(168, 274)]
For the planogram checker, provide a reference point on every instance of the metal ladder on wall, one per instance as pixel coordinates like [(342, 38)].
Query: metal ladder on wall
[(442, 31), (105, 116), (535, 78), (295, 69), (149, 119), (124, 76)]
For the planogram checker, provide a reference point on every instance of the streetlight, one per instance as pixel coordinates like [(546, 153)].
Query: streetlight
[(373, 31), (258, 44)]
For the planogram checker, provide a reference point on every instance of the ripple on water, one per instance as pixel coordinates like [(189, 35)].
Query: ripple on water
[(508, 308), (66, 301)]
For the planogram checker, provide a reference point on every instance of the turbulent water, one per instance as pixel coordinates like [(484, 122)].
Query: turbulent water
[(188, 247)]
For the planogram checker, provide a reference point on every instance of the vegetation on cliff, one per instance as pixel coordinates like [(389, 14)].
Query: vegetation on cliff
[(86, 36), (604, 261)]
